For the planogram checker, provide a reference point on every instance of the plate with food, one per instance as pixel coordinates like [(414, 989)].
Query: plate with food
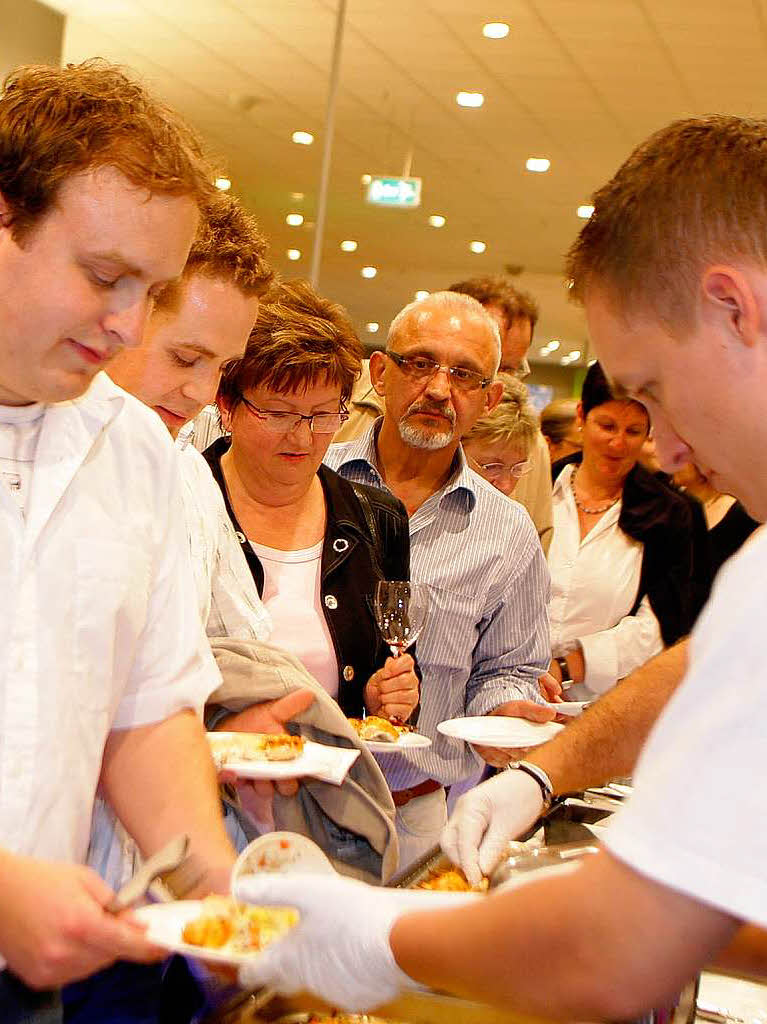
[(280, 852), (451, 879), (499, 731), (216, 929), (385, 737), (279, 756)]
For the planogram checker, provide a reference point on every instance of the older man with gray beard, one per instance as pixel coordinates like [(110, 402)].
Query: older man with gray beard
[(487, 637)]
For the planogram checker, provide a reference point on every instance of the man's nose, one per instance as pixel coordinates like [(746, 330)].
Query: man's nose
[(439, 384), (129, 323), (671, 450)]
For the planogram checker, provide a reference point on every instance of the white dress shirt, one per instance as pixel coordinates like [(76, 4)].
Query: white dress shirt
[(486, 639), (99, 628), (594, 584), (19, 431), (696, 820), (228, 604)]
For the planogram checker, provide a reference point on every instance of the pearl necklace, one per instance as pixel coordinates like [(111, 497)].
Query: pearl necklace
[(591, 511)]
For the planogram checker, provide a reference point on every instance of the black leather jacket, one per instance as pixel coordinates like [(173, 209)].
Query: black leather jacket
[(353, 560)]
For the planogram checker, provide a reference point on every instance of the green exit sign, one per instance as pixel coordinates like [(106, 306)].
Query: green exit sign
[(402, 192)]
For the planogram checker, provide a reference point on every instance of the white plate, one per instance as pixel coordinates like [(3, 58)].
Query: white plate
[(330, 764), (281, 852), (498, 731), (165, 923), (407, 741), (570, 707)]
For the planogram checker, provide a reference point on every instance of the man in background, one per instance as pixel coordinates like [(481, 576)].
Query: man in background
[(486, 639)]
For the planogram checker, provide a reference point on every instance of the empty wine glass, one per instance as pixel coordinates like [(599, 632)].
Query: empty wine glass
[(401, 609)]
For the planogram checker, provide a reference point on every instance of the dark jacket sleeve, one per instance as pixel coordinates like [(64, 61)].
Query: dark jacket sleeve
[(676, 569)]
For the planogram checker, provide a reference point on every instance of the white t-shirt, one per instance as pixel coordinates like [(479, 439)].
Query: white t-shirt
[(292, 582), (99, 625), (19, 431), (594, 585), (696, 821)]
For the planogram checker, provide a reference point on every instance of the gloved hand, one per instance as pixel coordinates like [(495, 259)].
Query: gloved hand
[(340, 948), (486, 818)]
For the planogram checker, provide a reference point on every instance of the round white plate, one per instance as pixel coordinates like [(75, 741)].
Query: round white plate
[(165, 923), (316, 759), (498, 731), (408, 741), (281, 852), (572, 708)]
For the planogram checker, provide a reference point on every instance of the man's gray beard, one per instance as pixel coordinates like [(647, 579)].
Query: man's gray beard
[(417, 437)]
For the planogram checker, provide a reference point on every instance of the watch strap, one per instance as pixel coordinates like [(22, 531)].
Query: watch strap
[(540, 776)]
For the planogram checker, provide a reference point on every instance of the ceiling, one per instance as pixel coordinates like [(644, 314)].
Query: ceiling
[(577, 81)]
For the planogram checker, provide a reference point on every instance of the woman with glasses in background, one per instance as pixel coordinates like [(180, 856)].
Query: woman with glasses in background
[(625, 567), (499, 444), (315, 543)]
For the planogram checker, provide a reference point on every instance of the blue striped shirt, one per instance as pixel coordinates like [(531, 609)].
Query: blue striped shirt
[(486, 640)]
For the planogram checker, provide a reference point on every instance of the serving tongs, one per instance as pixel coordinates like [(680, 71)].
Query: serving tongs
[(167, 859)]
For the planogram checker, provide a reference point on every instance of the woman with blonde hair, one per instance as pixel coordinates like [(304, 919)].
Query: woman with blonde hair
[(561, 428), (499, 444)]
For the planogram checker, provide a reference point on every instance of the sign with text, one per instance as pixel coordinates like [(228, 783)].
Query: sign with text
[(402, 192)]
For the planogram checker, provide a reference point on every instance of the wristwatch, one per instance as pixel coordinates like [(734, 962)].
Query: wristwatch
[(540, 776), (566, 676)]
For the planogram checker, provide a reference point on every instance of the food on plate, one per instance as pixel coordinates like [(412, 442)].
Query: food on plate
[(237, 927), (452, 880), (379, 730), (228, 748)]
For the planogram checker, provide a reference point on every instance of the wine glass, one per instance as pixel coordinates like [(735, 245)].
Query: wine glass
[(401, 609)]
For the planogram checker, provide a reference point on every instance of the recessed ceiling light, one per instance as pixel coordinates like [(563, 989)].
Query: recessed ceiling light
[(477, 247), (469, 99), (348, 245), (372, 327), (575, 355), (293, 254), (591, 362), (553, 345), (297, 197), (421, 294), (495, 30), (437, 220), (224, 184), (295, 219), (584, 212), (545, 350), (570, 283), (366, 179), (303, 138), (369, 271), (539, 164)]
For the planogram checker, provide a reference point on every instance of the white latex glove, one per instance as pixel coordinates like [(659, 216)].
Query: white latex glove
[(340, 948), (486, 818)]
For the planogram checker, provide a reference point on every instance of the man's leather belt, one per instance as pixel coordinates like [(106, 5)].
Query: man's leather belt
[(404, 796)]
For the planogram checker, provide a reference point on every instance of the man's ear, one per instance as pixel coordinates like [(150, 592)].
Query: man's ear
[(493, 395), (6, 213), (378, 372), (728, 293), (579, 417)]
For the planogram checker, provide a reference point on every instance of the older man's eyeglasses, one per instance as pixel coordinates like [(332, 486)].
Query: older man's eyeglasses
[(279, 422), (422, 369), (497, 471)]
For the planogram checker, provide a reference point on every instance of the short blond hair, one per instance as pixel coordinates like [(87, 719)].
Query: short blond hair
[(57, 122), (694, 193), (513, 421)]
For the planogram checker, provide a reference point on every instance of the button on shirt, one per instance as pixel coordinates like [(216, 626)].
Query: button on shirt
[(486, 639), (594, 584), (99, 627)]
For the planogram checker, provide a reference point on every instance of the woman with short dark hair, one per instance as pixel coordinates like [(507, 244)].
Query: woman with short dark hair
[(315, 543)]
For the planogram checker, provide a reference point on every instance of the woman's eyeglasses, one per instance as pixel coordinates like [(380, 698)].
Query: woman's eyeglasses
[(498, 470), (279, 422)]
